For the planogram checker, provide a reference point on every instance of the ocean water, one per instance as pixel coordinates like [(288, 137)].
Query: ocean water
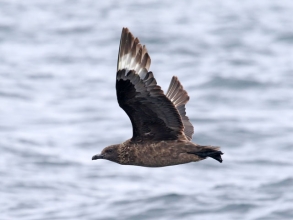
[(58, 108)]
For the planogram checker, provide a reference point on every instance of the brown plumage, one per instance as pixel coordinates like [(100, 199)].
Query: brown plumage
[(161, 129)]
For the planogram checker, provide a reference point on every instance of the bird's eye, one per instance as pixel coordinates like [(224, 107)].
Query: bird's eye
[(109, 151)]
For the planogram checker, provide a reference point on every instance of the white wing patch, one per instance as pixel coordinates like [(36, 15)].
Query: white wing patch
[(133, 55)]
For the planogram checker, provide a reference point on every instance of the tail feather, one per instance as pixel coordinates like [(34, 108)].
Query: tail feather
[(209, 151)]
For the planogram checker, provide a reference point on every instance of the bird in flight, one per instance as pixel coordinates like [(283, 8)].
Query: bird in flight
[(162, 132)]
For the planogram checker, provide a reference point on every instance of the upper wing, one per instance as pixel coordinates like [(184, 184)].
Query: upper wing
[(152, 114)]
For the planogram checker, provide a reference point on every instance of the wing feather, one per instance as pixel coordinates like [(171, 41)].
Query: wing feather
[(179, 97), (152, 114), (132, 55)]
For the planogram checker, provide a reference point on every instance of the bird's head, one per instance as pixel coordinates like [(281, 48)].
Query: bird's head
[(109, 153)]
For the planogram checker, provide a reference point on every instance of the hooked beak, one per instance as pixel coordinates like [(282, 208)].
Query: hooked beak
[(97, 156)]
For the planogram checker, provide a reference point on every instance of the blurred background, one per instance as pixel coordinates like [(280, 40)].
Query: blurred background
[(58, 108)]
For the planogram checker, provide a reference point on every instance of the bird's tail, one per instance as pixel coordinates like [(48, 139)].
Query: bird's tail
[(210, 151)]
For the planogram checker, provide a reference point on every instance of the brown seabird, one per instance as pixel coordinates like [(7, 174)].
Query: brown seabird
[(162, 132)]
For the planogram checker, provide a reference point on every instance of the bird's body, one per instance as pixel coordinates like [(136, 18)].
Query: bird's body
[(157, 154), (161, 129)]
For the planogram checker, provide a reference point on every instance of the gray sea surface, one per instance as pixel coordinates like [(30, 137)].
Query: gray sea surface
[(58, 108)]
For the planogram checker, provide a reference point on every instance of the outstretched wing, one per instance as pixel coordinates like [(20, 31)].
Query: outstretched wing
[(179, 98), (152, 114)]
